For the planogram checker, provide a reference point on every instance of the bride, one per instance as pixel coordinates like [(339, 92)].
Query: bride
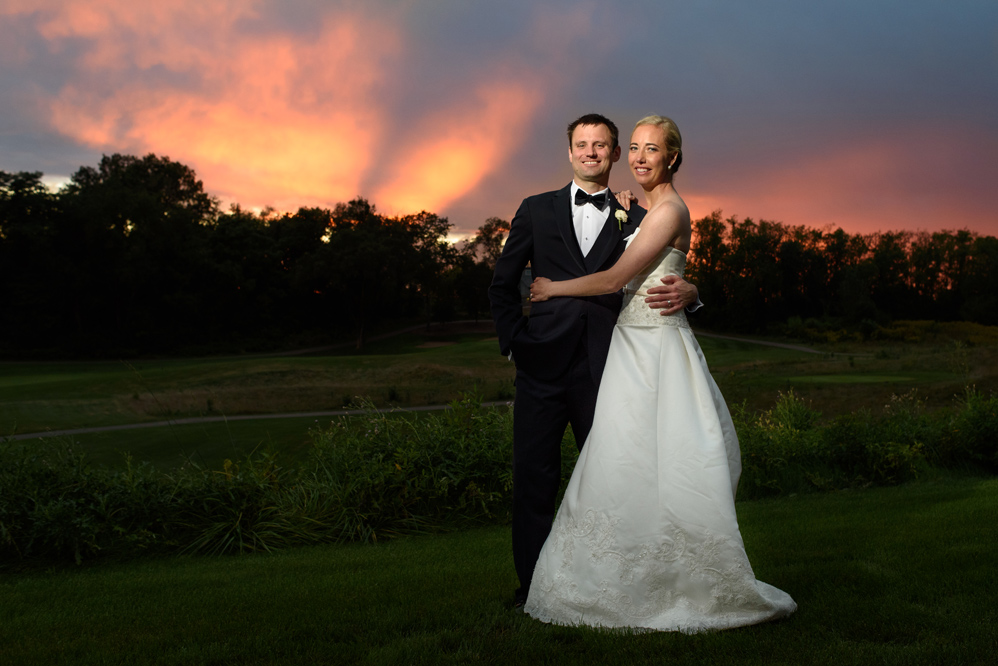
[(646, 535)]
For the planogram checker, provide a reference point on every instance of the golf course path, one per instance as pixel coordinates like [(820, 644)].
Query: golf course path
[(781, 345), (220, 419)]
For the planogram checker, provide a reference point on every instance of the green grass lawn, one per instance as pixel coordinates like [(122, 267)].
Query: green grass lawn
[(410, 369), (206, 443), (853, 379), (428, 366), (898, 575), (52, 396), (850, 377), (209, 444), (903, 575)]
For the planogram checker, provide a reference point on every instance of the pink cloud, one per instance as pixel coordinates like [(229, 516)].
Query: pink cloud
[(864, 184)]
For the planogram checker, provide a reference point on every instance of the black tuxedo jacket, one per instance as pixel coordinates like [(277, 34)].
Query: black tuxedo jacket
[(542, 233)]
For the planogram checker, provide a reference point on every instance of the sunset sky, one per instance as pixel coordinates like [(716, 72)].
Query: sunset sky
[(855, 114)]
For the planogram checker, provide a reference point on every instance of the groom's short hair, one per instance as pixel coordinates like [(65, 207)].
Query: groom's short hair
[(593, 119)]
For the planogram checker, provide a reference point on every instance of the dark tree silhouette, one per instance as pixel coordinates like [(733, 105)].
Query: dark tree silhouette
[(31, 264), (141, 224), (475, 264), (134, 257)]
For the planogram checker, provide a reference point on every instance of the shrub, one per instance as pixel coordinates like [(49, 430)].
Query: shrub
[(235, 509), (390, 474), (394, 475), (398, 475), (786, 450), (53, 504), (971, 436), (895, 448), (779, 447)]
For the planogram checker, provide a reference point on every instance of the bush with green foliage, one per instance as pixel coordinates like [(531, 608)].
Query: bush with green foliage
[(399, 475), (391, 474), (789, 450), (395, 475)]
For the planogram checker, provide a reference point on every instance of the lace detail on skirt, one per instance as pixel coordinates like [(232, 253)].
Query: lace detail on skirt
[(635, 312), (700, 579)]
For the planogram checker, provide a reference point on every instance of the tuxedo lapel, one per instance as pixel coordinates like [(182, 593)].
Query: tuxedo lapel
[(608, 239), (563, 218)]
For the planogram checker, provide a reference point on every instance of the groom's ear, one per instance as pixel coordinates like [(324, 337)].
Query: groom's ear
[(616, 153)]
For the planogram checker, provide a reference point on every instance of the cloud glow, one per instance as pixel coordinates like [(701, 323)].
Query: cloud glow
[(268, 117), (459, 146), (459, 108), (863, 184)]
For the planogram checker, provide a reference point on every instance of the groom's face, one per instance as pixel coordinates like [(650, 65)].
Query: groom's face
[(591, 154)]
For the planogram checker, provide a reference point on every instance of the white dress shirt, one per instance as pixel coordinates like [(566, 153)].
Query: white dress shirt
[(588, 220)]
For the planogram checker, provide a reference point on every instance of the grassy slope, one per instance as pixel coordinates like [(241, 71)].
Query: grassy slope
[(900, 575), (413, 369), (39, 396)]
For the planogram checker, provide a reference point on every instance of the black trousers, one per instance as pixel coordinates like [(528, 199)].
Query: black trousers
[(541, 412)]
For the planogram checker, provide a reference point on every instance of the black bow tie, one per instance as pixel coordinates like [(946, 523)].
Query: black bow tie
[(582, 198)]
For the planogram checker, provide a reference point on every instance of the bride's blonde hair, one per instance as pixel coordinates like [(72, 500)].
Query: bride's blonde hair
[(673, 139)]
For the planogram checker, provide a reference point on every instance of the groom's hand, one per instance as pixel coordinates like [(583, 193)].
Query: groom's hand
[(674, 295)]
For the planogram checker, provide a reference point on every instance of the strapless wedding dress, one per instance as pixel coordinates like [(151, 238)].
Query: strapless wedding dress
[(646, 535)]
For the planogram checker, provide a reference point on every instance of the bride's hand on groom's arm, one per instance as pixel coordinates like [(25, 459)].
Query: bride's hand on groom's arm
[(672, 296), (540, 290)]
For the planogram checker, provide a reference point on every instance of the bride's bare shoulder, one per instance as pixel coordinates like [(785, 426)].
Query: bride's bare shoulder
[(670, 211)]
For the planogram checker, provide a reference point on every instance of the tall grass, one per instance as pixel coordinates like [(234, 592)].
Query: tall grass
[(390, 475), (789, 449)]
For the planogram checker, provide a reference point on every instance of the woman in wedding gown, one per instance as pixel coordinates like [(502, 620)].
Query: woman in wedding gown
[(646, 535)]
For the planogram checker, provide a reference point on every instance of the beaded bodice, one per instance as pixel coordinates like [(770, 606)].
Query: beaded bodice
[(634, 311)]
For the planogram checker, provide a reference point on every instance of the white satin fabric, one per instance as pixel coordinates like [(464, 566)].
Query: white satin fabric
[(646, 535)]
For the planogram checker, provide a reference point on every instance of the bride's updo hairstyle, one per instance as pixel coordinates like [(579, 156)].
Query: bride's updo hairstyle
[(673, 139)]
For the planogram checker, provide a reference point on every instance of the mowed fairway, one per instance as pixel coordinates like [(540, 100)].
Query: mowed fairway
[(428, 367)]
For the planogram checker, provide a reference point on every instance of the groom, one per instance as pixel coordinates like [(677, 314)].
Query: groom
[(561, 349)]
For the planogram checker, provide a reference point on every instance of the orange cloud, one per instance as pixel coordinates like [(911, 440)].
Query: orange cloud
[(271, 116), (457, 147), (264, 117), (268, 115)]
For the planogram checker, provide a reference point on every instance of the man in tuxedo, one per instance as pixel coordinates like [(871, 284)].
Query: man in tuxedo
[(560, 350)]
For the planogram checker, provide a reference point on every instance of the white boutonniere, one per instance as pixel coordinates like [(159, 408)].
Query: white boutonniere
[(621, 216)]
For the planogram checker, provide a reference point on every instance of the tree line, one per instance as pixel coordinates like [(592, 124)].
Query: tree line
[(759, 275), (134, 257)]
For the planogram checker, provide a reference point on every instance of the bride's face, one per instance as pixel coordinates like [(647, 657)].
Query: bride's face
[(647, 155)]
